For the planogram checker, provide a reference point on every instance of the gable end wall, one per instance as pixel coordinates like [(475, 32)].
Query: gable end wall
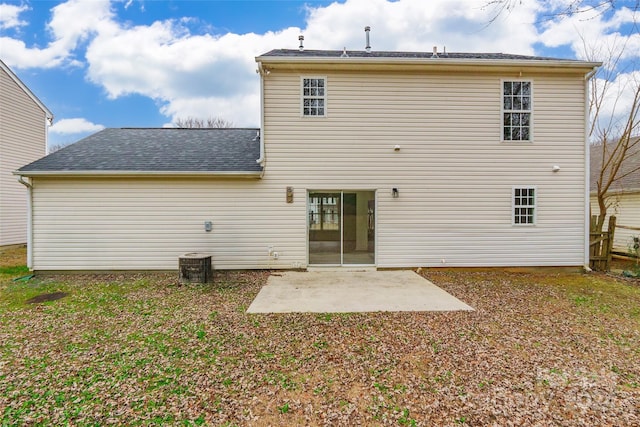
[(22, 140)]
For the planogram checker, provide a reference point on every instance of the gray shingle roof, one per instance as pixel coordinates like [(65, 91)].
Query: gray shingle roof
[(630, 182), (163, 150), (295, 53)]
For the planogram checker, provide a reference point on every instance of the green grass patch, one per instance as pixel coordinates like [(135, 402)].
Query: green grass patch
[(16, 270)]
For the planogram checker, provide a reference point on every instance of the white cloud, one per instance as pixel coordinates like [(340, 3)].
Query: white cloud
[(618, 97), (71, 23), (74, 127), (596, 35), (9, 16), (189, 75), (461, 25), (214, 75)]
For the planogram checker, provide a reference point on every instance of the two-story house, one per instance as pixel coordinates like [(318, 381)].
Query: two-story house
[(363, 158), (23, 138)]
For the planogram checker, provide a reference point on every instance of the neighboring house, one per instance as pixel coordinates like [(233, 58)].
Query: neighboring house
[(23, 139), (380, 159), (623, 197)]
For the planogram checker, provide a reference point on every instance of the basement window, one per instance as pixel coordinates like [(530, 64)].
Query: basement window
[(524, 205), (516, 111), (314, 96)]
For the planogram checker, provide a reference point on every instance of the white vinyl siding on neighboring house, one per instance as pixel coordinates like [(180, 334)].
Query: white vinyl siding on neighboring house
[(23, 139), (626, 208)]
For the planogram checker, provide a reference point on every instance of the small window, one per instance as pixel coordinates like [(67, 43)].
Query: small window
[(516, 111), (524, 205), (313, 96)]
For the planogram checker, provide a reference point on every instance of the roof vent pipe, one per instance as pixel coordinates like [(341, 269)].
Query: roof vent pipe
[(301, 38), (368, 46), (435, 52)]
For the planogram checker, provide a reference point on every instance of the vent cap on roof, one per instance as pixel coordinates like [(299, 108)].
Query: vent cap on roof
[(368, 46)]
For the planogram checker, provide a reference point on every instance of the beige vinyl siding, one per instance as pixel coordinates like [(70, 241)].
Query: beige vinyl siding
[(119, 224), (626, 208), (22, 140), (454, 175)]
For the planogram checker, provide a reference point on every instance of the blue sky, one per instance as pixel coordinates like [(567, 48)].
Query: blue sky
[(135, 63)]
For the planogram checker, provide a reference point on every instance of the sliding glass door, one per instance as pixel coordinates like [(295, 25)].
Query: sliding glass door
[(341, 227)]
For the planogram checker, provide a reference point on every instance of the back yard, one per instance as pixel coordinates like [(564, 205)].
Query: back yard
[(541, 348)]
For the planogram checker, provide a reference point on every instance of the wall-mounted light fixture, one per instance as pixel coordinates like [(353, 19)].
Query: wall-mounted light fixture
[(396, 147), (395, 193), (289, 194), (555, 168)]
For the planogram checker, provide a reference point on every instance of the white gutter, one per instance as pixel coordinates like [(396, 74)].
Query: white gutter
[(262, 159), (47, 122), (587, 168), (29, 221)]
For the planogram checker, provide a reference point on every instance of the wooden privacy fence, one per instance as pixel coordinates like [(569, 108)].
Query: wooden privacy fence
[(601, 244)]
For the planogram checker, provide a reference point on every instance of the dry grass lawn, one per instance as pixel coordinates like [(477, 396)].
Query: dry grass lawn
[(542, 348)]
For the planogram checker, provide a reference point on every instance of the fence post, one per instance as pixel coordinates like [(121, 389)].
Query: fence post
[(601, 244), (611, 231), (592, 248)]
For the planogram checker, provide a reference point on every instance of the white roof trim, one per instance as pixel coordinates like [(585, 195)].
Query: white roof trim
[(130, 173), (546, 63), (26, 90)]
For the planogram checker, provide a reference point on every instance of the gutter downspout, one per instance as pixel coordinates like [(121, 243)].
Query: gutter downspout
[(48, 121), (587, 168), (261, 160), (29, 221)]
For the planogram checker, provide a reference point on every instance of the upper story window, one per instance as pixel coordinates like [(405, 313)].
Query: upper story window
[(516, 111), (314, 96), (524, 205)]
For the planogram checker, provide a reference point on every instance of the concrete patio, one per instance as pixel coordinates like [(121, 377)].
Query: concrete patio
[(337, 291)]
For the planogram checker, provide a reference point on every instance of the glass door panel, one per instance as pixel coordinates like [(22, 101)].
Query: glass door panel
[(325, 228), (358, 227)]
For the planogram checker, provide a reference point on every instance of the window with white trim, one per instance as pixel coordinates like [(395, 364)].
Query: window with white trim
[(524, 205), (314, 96), (516, 111)]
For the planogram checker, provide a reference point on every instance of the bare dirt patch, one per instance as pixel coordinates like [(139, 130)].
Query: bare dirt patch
[(53, 296), (13, 255)]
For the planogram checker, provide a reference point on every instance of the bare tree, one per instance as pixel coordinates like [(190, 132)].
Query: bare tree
[(617, 144), (559, 9), (615, 134), (56, 147), (211, 122), (568, 8)]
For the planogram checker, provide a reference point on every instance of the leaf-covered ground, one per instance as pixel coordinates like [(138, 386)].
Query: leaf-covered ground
[(542, 348)]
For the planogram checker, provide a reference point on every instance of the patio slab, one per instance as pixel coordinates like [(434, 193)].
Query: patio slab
[(335, 291)]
